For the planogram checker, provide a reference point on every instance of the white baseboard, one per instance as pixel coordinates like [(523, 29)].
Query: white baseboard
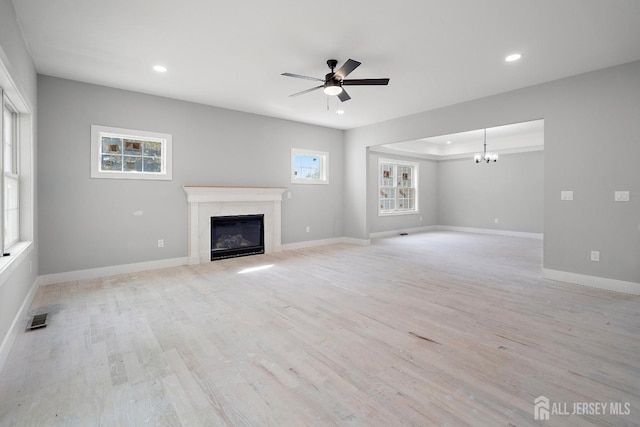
[(94, 273), (428, 228), (18, 322), (324, 242), (592, 281), (380, 234), (524, 234)]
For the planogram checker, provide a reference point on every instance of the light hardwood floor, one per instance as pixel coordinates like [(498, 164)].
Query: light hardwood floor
[(438, 328)]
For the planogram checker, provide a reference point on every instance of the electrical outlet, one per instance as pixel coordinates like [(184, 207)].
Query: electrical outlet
[(621, 196), (566, 195), (288, 194), (308, 229), (595, 256), (495, 220), (161, 243)]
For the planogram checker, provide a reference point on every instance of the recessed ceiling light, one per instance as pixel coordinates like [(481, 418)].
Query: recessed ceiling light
[(160, 68), (340, 112), (513, 57), (448, 142)]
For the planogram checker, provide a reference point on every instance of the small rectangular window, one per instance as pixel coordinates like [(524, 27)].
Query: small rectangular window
[(130, 154), (309, 167), (397, 187)]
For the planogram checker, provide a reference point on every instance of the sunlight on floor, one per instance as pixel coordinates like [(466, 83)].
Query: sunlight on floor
[(254, 269)]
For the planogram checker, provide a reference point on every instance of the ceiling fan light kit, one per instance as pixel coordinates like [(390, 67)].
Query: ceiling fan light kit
[(332, 87), (334, 81)]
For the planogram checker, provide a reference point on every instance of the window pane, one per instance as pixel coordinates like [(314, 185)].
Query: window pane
[(132, 147), (111, 145), (111, 163), (152, 164), (152, 149), (307, 167), (11, 210), (386, 175), (132, 164), (405, 176), (387, 198), (8, 139), (406, 198)]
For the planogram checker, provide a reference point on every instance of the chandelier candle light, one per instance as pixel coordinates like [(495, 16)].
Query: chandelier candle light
[(485, 157)]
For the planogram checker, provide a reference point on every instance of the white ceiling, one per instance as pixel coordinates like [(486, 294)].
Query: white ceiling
[(231, 54)]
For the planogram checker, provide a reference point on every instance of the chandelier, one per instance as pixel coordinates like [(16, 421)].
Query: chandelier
[(485, 157)]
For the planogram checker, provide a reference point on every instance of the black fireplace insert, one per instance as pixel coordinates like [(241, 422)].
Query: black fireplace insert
[(237, 235)]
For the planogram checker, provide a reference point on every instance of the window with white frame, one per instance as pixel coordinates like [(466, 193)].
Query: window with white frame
[(309, 166), (10, 177), (16, 174), (397, 187), (130, 154)]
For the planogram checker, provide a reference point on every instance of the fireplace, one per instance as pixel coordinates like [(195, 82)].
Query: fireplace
[(205, 202), (236, 235)]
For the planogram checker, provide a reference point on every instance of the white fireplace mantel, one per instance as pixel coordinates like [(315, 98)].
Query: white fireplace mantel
[(208, 201)]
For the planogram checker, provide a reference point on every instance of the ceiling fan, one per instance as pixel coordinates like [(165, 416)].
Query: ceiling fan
[(334, 81)]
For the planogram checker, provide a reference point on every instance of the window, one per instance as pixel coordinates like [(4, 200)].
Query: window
[(398, 187), (130, 154), (17, 130), (10, 184), (309, 167)]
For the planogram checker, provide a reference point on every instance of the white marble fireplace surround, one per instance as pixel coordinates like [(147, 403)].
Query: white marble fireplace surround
[(207, 201)]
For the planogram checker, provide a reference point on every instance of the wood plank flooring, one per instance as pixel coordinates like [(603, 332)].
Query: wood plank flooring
[(438, 328)]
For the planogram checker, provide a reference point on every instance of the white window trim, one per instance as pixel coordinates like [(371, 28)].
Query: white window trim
[(166, 139), (22, 249), (324, 179), (397, 212)]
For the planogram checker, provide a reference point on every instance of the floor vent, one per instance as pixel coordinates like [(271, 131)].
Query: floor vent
[(39, 321)]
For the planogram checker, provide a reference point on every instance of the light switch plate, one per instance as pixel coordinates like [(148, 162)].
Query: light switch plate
[(621, 196), (566, 195), (595, 255)]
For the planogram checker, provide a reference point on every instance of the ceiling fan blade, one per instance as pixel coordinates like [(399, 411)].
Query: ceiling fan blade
[(363, 82), (344, 96), (346, 69), (307, 91), (299, 76)]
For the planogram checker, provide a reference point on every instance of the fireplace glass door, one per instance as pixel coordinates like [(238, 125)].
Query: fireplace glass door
[(238, 235)]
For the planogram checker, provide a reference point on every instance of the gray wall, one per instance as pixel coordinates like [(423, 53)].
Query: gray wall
[(427, 196), (89, 223), (14, 53), (15, 57), (591, 147), (511, 190)]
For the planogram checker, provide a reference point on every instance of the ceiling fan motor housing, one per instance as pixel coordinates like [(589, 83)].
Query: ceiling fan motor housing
[(330, 80)]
